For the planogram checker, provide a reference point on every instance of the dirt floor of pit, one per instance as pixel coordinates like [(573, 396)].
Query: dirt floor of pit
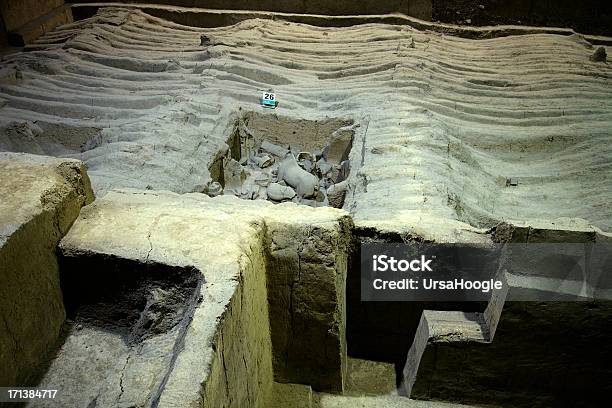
[(294, 132)]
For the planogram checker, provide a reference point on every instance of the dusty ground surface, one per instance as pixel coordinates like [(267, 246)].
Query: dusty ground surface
[(445, 121)]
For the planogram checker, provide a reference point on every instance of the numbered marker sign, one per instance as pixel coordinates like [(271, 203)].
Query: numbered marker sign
[(268, 99)]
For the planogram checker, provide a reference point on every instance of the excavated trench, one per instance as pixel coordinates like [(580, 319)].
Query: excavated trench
[(283, 159), (530, 341), (385, 331), (131, 299), (52, 139), (125, 324), (127, 320)]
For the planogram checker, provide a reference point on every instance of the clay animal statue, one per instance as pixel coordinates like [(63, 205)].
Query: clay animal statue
[(305, 184)]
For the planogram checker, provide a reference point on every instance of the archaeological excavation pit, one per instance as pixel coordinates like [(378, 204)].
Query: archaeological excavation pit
[(282, 159), (169, 239)]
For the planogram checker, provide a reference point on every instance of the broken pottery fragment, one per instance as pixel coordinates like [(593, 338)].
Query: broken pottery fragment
[(323, 167), (213, 189), (343, 171), (305, 156), (274, 149), (339, 145), (262, 179), (336, 194), (263, 161), (234, 175), (277, 192), (320, 197), (324, 183)]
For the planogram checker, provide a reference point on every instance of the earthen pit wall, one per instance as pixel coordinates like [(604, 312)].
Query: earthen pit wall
[(31, 306), (534, 341), (226, 359), (532, 338), (304, 267), (418, 8), (241, 371), (306, 274)]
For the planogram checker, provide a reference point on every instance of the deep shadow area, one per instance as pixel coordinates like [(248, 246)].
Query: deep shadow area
[(134, 299), (544, 354), (417, 8), (586, 17), (125, 325), (384, 331)]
